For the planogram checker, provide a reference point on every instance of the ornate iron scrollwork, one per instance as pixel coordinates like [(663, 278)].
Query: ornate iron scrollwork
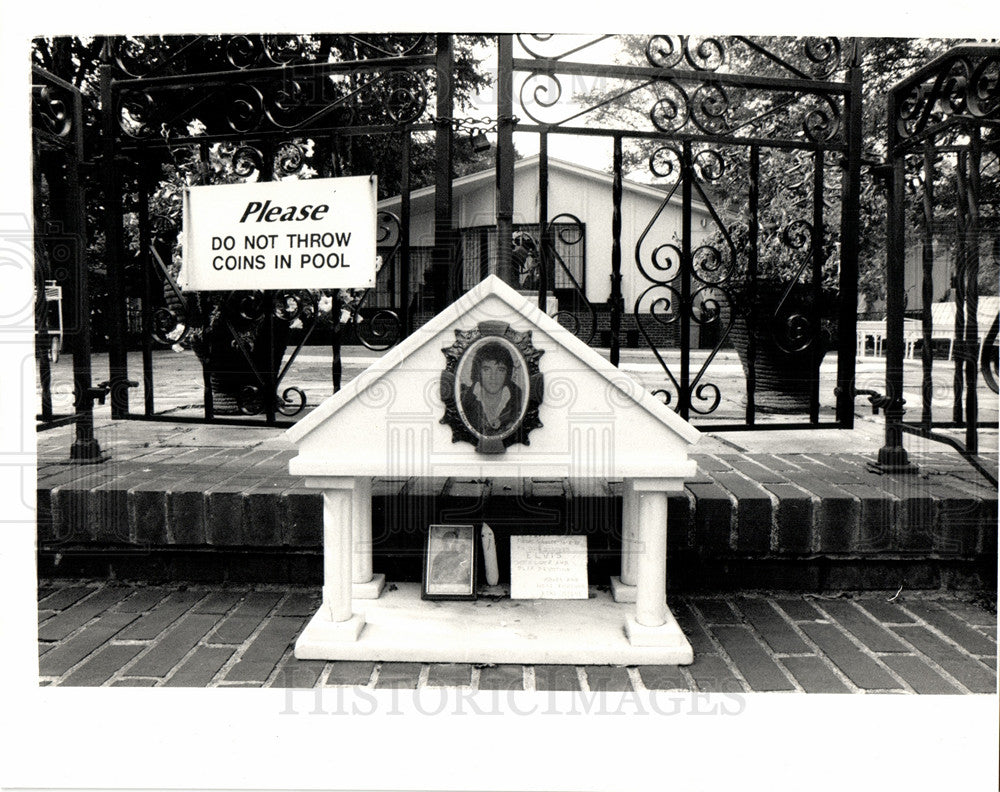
[(569, 230), (824, 54), (138, 55), (50, 110), (531, 44), (382, 96), (172, 323), (965, 82), (700, 90), (670, 112), (245, 52), (250, 310), (709, 271), (380, 328), (289, 158), (398, 46), (794, 324), (247, 160), (700, 53)]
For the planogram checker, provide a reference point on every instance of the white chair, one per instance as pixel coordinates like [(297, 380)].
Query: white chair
[(873, 329)]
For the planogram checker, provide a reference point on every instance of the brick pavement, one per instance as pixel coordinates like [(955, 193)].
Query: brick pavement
[(99, 633)]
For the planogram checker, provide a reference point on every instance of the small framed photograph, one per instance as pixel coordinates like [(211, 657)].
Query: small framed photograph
[(450, 563)]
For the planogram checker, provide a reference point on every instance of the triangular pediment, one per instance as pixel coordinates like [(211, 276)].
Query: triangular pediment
[(562, 411)]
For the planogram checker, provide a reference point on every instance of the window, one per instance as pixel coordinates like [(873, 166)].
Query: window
[(388, 283), (479, 253)]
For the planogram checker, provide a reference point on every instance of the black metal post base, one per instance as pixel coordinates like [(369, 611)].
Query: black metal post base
[(87, 452), (893, 459)]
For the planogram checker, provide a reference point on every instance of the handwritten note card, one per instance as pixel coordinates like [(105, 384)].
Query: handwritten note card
[(548, 567)]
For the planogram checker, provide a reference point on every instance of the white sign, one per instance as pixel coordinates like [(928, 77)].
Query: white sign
[(293, 234), (548, 567)]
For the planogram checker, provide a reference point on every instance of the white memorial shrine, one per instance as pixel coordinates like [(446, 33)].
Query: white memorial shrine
[(427, 409)]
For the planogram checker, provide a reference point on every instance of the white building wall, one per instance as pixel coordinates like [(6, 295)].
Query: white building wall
[(587, 199), (421, 226)]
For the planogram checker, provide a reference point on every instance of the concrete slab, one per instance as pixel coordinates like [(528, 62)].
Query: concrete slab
[(400, 626)]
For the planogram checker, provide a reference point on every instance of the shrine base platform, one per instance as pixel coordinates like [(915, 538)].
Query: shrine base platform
[(400, 626)]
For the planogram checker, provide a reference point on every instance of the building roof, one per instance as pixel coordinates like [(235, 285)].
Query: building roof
[(485, 178)]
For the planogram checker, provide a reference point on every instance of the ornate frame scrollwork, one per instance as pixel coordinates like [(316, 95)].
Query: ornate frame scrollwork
[(454, 417)]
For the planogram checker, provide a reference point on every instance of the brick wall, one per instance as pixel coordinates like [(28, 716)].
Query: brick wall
[(774, 521)]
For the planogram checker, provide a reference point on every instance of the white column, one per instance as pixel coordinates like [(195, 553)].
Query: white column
[(362, 523), (337, 530), (630, 519), (651, 561)]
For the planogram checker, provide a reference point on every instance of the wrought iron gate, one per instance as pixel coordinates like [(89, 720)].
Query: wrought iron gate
[(268, 110), (725, 125), (944, 171), (60, 251)]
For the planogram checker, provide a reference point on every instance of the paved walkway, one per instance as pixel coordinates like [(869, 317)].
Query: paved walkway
[(178, 381), (109, 634)]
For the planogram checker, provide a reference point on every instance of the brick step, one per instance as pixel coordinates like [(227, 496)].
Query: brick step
[(740, 507)]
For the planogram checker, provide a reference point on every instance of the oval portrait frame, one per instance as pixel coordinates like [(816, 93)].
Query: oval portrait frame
[(468, 361), (459, 358)]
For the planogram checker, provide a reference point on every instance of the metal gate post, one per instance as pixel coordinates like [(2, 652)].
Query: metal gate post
[(617, 303), (684, 387), (892, 455), (70, 202), (970, 349), (546, 281), (849, 231), (505, 160), (404, 240), (148, 274), (444, 242), (43, 342), (114, 263)]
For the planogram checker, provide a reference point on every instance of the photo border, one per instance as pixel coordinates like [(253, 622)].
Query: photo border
[(535, 386), (473, 576), (466, 360)]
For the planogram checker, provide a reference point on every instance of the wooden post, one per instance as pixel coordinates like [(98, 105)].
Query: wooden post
[(651, 566), (337, 532), (630, 520), (361, 520)]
